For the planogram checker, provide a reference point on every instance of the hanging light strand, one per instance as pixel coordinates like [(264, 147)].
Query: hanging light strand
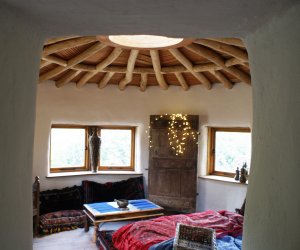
[(179, 131)]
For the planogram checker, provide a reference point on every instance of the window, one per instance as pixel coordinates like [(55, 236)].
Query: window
[(117, 148), (228, 148), (69, 150)]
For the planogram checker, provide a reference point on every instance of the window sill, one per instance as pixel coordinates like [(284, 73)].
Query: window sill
[(221, 178), (82, 173)]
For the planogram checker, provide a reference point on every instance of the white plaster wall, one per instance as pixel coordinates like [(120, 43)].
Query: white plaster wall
[(19, 44), (272, 212), (89, 105), (220, 195)]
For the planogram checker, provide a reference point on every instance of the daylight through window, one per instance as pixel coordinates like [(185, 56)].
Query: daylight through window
[(117, 149), (69, 149), (229, 148)]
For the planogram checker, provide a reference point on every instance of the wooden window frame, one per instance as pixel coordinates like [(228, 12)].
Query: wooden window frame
[(86, 155), (86, 166), (131, 167), (211, 148)]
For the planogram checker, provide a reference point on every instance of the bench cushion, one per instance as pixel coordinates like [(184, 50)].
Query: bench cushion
[(130, 189), (61, 199), (61, 221)]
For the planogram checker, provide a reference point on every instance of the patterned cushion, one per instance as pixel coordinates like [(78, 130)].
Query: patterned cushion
[(61, 221), (130, 189), (61, 199)]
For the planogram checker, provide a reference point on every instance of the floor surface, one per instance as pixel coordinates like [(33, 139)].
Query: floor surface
[(68, 240)]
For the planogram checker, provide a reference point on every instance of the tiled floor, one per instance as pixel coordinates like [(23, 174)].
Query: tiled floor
[(69, 240)]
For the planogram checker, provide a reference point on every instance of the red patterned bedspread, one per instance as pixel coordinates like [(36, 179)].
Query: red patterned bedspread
[(143, 234)]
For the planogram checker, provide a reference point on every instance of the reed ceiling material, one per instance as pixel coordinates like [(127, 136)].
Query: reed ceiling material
[(97, 60)]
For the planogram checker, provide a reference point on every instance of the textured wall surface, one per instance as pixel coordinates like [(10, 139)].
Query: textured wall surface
[(272, 214), (19, 43)]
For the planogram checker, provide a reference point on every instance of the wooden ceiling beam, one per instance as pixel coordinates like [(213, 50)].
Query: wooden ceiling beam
[(186, 63), (84, 67), (73, 61), (234, 61), (56, 60), (229, 41), (223, 79), (108, 60), (67, 44), (104, 81), (138, 70), (143, 82), (67, 78), (58, 39), (225, 48), (44, 63), (164, 70), (85, 54), (219, 61), (182, 81), (157, 69), (244, 77), (207, 53), (84, 79), (56, 71), (130, 67)]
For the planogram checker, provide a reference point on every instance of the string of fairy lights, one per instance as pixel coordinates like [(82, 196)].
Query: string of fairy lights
[(179, 131)]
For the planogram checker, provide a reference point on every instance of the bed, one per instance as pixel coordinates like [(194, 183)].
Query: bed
[(158, 234)]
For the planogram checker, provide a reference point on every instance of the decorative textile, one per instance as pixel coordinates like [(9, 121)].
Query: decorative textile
[(104, 240), (61, 199), (61, 221), (143, 204), (143, 234), (73, 198), (130, 189), (103, 207), (229, 243), (165, 245), (224, 243)]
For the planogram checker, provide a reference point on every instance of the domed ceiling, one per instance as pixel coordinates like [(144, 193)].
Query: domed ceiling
[(144, 61)]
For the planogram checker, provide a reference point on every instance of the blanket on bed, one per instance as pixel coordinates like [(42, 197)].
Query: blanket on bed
[(143, 234), (224, 243)]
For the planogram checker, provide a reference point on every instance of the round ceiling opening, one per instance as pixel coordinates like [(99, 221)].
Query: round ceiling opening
[(145, 41)]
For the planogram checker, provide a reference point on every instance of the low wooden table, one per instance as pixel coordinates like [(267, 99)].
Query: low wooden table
[(102, 212)]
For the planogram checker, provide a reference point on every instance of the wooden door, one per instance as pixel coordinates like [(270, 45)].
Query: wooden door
[(172, 179)]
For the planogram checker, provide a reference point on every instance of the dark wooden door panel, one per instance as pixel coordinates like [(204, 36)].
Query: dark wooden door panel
[(165, 183), (187, 185), (172, 179), (186, 205)]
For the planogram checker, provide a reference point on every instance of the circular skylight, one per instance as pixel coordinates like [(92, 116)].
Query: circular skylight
[(144, 41)]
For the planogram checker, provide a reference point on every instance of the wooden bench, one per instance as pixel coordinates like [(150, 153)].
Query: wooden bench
[(36, 205)]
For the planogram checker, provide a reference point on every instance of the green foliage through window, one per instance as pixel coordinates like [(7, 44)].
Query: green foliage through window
[(69, 149), (228, 149)]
